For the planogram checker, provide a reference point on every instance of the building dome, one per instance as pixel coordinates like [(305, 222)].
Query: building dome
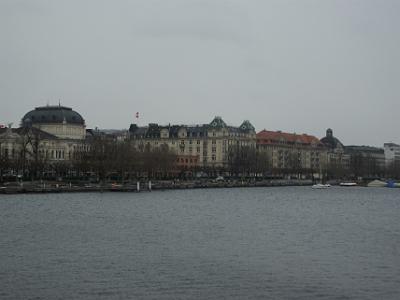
[(60, 121), (53, 115), (330, 141)]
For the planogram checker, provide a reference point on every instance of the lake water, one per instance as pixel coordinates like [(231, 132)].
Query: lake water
[(254, 243)]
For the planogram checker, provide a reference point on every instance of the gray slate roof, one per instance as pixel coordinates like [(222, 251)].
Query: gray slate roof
[(53, 114)]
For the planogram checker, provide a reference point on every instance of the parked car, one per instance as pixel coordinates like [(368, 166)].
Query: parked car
[(219, 178)]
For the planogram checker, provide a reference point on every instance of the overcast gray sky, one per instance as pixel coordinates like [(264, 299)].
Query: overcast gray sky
[(298, 66)]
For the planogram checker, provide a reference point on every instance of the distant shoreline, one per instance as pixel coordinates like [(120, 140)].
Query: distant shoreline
[(44, 188)]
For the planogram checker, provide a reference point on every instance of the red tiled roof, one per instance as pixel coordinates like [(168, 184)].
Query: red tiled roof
[(274, 137)]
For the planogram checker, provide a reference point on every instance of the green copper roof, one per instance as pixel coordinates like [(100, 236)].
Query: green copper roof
[(218, 123), (247, 126)]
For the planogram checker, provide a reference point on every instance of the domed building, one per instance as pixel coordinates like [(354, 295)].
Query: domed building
[(60, 121), (336, 151), (331, 142), (48, 135)]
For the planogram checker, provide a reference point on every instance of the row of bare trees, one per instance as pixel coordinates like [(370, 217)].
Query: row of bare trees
[(105, 158), (393, 170), (25, 158), (362, 166), (248, 161), (365, 166), (109, 159)]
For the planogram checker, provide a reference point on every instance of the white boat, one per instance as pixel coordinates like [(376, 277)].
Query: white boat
[(348, 184), (321, 186), (377, 183)]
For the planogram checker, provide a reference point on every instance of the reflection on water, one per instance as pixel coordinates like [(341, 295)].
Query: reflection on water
[(277, 243)]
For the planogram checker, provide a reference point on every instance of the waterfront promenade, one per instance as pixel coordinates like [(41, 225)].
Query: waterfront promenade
[(65, 187)]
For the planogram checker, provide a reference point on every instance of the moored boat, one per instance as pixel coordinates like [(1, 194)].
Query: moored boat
[(348, 184), (321, 186), (377, 183)]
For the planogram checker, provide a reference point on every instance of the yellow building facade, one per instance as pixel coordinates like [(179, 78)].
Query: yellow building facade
[(210, 143)]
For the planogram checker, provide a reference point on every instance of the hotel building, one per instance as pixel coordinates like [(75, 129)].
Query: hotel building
[(204, 146)]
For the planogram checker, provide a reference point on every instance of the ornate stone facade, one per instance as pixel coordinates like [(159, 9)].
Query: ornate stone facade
[(337, 157), (47, 134), (210, 143)]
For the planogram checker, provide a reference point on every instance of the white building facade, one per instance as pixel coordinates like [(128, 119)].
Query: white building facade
[(392, 153)]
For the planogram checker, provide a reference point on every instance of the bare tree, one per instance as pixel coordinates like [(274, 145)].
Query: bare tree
[(158, 162), (242, 160), (263, 162), (5, 164), (393, 170), (32, 160)]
